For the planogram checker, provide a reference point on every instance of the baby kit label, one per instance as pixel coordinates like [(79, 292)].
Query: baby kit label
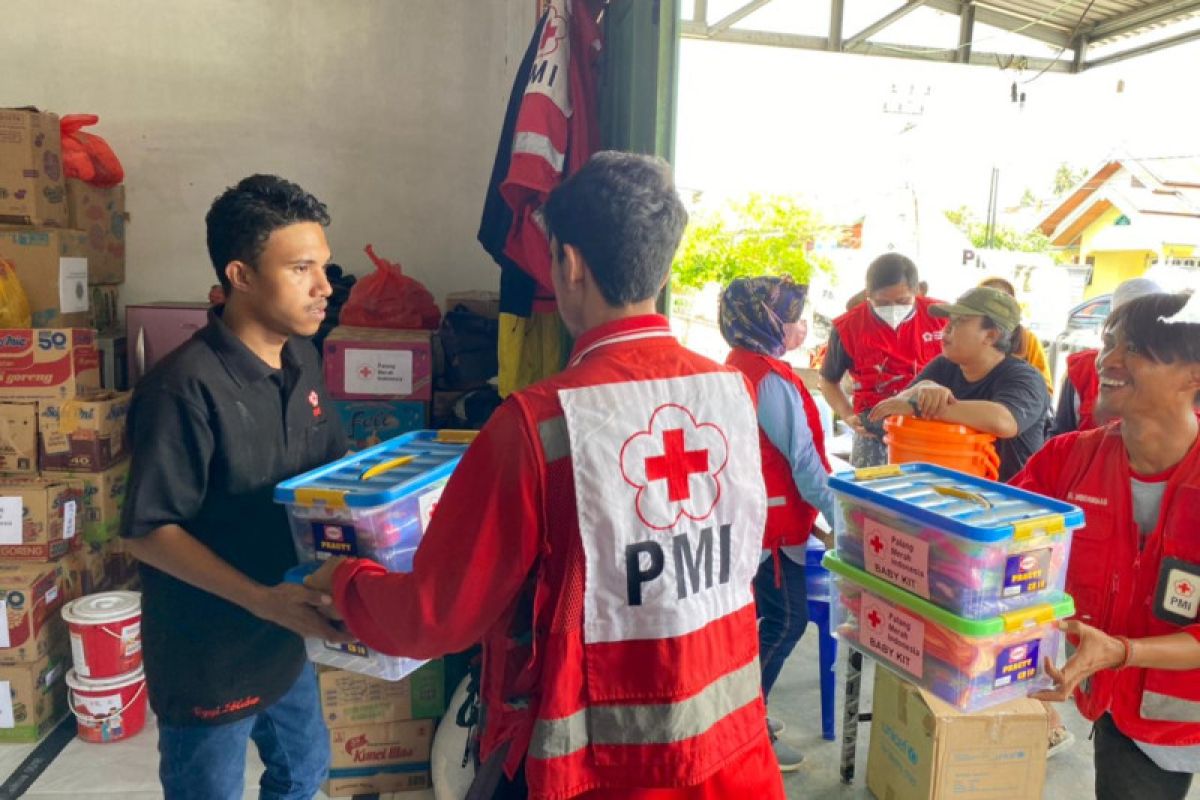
[(1017, 664), (1025, 573), (896, 557), (893, 634)]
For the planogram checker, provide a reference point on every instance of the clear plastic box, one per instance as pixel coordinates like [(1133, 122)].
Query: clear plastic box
[(374, 504), (974, 547), (971, 664)]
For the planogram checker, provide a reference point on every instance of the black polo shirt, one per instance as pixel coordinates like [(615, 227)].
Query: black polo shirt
[(214, 429)]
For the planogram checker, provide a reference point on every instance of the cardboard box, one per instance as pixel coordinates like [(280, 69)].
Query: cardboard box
[(348, 698), (485, 304), (406, 778), (369, 422), (100, 213), (18, 430), (381, 746), (84, 571), (33, 698), (33, 594), (85, 434), (378, 364), (924, 749), (39, 517), (103, 499), (31, 169), (52, 266), (48, 363), (104, 313)]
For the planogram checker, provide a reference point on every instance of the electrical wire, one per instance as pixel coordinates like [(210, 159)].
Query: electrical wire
[(935, 51), (1063, 49)]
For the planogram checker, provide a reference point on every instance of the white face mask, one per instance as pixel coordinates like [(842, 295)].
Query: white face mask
[(893, 315)]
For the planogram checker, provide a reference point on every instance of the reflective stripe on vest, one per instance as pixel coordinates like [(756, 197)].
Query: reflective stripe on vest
[(1167, 708), (647, 724), (556, 442), (776, 502)]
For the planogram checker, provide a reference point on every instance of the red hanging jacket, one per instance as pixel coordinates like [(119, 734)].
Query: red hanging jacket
[(1114, 581), (886, 360), (790, 517), (1081, 372)]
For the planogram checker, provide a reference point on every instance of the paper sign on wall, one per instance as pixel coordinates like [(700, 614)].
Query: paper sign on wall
[(6, 709), (382, 372), (69, 519), (73, 291), (12, 511)]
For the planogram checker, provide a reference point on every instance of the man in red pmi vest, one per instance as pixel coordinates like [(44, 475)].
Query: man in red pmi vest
[(1135, 566), (883, 343), (600, 537), (1081, 386)]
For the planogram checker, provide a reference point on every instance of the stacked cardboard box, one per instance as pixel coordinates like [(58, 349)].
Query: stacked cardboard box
[(381, 732), (65, 238), (63, 470)]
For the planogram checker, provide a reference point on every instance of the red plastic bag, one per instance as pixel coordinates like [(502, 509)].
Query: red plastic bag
[(387, 298), (85, 155)]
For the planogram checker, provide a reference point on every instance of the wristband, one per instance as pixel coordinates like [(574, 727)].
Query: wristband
[(1128, 645)]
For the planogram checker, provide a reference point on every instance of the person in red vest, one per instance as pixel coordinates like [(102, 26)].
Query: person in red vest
[(760, 320), (601, 537), (1134, 569), (883, 343), (1080, 387)]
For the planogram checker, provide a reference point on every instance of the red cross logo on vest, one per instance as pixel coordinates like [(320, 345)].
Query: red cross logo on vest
[(674, 464), (553, 33), (1183, 589)]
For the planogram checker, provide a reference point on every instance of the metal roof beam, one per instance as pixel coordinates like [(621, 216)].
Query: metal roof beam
[(1041, 31), (966, 32), (1150, 15), (735, 17), (883, 22), (1152, 47)]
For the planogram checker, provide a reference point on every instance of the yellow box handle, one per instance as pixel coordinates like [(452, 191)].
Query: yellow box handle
[(874, 473), (963, 494), (333, 498), (384, 466), (1051, 526), (1027, 617), (456, 437)]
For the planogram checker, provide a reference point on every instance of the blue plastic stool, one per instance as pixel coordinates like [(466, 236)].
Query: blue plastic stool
[(817, 581)]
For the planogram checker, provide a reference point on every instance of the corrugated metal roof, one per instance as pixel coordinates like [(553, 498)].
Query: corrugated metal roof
[(1101, 21)]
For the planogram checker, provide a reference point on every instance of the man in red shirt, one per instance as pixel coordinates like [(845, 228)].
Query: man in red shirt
[(600, 536)]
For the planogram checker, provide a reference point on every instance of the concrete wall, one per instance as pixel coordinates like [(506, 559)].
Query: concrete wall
[(388, 110)]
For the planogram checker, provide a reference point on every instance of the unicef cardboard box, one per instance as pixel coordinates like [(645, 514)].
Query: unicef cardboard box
[(924, 749)]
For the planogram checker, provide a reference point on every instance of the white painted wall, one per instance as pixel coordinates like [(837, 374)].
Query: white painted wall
[(387, 110)]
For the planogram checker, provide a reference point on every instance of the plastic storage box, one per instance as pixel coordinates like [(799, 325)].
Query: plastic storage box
[(375, 504), (971, 664), (969, 545)]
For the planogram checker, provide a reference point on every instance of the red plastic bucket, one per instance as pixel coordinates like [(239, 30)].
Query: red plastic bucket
[(109, 709), (106, 633)]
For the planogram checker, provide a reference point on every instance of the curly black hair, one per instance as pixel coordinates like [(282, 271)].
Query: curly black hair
[(242, 219)]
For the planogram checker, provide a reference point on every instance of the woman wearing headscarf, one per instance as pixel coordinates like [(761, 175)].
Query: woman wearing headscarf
[(760, 320)]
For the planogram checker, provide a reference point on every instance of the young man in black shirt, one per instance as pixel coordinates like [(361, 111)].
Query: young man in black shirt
[(978, 382), (214, 427)]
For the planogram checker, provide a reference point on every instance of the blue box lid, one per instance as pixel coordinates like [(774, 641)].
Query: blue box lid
[(379, 475), (965, 505)]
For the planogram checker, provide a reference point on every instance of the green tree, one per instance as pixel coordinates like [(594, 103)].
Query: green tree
[(1066, 177), (757, 235), (1005, 237)]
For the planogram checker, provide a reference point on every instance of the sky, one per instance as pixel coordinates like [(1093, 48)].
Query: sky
[(755, 118)]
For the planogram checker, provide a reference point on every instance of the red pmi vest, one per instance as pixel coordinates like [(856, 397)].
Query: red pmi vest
[(789, 517), (644, 626), (1114, 582), (1081, 372), (887, 360)]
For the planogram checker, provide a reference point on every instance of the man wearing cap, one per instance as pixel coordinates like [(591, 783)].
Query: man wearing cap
[(1081, 386), (977, 382)]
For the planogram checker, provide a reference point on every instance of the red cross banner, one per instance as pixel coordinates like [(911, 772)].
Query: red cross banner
[(668, 482)]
